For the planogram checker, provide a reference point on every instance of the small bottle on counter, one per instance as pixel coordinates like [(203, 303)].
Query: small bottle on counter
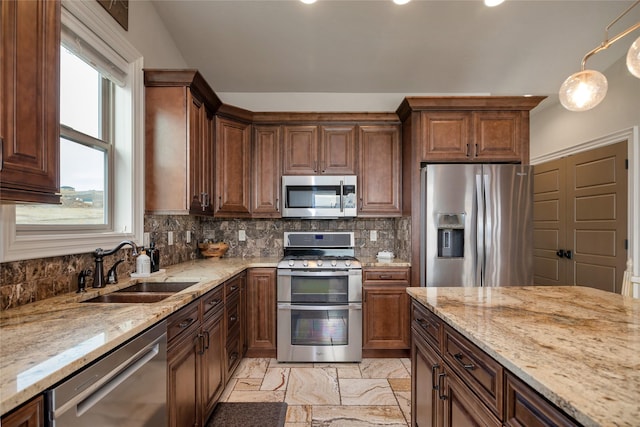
[(154, 255), (143, 263)]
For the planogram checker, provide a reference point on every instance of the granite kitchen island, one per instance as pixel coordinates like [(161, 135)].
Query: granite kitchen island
[(577, 347)]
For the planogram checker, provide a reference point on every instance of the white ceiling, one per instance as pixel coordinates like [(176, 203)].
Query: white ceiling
[(375, 47)]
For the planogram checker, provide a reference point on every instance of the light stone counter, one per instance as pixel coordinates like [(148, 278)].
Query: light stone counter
[(376, 262), (579, 347), (44, 342)]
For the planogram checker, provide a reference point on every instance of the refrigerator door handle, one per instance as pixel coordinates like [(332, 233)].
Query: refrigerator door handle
[(480, 224)]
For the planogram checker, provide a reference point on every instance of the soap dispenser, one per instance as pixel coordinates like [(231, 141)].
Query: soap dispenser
[(143, 263), (154, 255)]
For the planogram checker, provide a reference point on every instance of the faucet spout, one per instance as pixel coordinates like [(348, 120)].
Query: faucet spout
[(99, 254)]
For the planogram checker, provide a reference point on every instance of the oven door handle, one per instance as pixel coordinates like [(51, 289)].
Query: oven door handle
[(323, 273), (351, 306)]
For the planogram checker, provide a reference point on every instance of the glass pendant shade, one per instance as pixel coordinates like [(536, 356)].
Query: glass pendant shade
[(583, 90), (633, 58)]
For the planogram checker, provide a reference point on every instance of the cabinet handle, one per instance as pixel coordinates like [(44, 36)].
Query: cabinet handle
[(233, 288), (441, 395), (233, 318), (185, 323), (214, 302), (384, 277), (277, 205), (468, 154), (560, 253), (361, 203), (467, 366), (475, 153), (423, 323), (232, 357), (435, 385), (199, 343), (1, 152), (315, 166), (206, 334)]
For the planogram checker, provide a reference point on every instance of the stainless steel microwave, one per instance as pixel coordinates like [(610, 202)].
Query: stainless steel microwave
[(324, 196)]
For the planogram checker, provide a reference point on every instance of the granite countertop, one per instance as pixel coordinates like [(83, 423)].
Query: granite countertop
[(377, 262), (579, 347), (44, 342)]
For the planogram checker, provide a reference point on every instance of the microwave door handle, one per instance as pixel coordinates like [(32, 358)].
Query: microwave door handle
[(341, 196)]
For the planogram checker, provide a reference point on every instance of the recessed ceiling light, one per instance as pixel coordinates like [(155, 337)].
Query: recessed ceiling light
[(492, 3), (401, 1), (308, 1)]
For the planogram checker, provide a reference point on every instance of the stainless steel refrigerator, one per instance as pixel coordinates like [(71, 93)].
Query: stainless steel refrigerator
[(476, 225)]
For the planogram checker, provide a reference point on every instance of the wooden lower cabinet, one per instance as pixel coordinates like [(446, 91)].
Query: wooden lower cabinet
[(31, 414), (261, 312), (196, 365), (386, 305), (454, 383)]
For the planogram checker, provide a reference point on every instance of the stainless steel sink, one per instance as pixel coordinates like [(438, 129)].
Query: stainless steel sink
[(155, 287), (143, 292), (130, 298)]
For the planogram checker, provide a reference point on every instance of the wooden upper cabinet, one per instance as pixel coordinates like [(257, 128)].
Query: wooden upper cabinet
[(300, 150), (497, 135), (379, 171), (317, 150), (29, 106), (471, 136), (179, 140), (233, 162), (446, 135), (266, 171), (337, 150)]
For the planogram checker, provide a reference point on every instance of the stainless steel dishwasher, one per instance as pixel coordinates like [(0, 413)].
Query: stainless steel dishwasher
[(126, 388)]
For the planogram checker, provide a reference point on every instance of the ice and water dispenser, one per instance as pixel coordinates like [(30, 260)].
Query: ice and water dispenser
[(450, 235)]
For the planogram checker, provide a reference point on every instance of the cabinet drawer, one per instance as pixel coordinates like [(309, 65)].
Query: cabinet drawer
[(183, 320), (233, 353), (483, 374), (231, 288), (525, 407), (427, 324), (213, 301), (385, 275)]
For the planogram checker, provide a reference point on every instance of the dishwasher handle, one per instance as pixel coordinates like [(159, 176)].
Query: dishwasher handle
[(96, 396)]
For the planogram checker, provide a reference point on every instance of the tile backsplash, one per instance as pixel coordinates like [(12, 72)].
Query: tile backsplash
[(23, 282)]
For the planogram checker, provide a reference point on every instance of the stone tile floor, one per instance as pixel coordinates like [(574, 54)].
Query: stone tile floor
[(374, 392)]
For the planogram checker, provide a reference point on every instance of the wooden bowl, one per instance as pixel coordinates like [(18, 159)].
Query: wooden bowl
[(213, 250)]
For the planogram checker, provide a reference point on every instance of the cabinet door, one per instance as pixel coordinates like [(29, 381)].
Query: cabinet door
[(197, 118), (266, 172), (29, 106), (30, 414), (426, 406), (461, 406), (212, 372), (497, 136), (386, 317), (379, 166), (446, 136), (261, 322), (233, 162), (338, 150), (182, 372), (300, 150)]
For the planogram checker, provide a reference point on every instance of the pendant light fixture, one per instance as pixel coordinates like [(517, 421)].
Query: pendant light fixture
[(587, 88)]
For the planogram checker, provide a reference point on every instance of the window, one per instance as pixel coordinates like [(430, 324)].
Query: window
[(86, 121), (101, 146)]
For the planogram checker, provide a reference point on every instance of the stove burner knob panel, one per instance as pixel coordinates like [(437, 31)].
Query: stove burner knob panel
[(334, 262)]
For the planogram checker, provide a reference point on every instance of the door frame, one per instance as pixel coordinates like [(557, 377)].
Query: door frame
[(632, 135)]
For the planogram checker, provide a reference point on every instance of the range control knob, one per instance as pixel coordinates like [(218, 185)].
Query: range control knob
[(319, 263), (334, 262), (305, 263), (347, 262), (291, 263)]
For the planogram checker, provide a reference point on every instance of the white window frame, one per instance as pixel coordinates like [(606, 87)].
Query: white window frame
[(128, 179)]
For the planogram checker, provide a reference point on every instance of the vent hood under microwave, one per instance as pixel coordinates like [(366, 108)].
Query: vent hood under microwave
[(324, 196)]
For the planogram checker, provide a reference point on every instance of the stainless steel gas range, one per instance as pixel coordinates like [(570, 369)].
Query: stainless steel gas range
[(319, 298)]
